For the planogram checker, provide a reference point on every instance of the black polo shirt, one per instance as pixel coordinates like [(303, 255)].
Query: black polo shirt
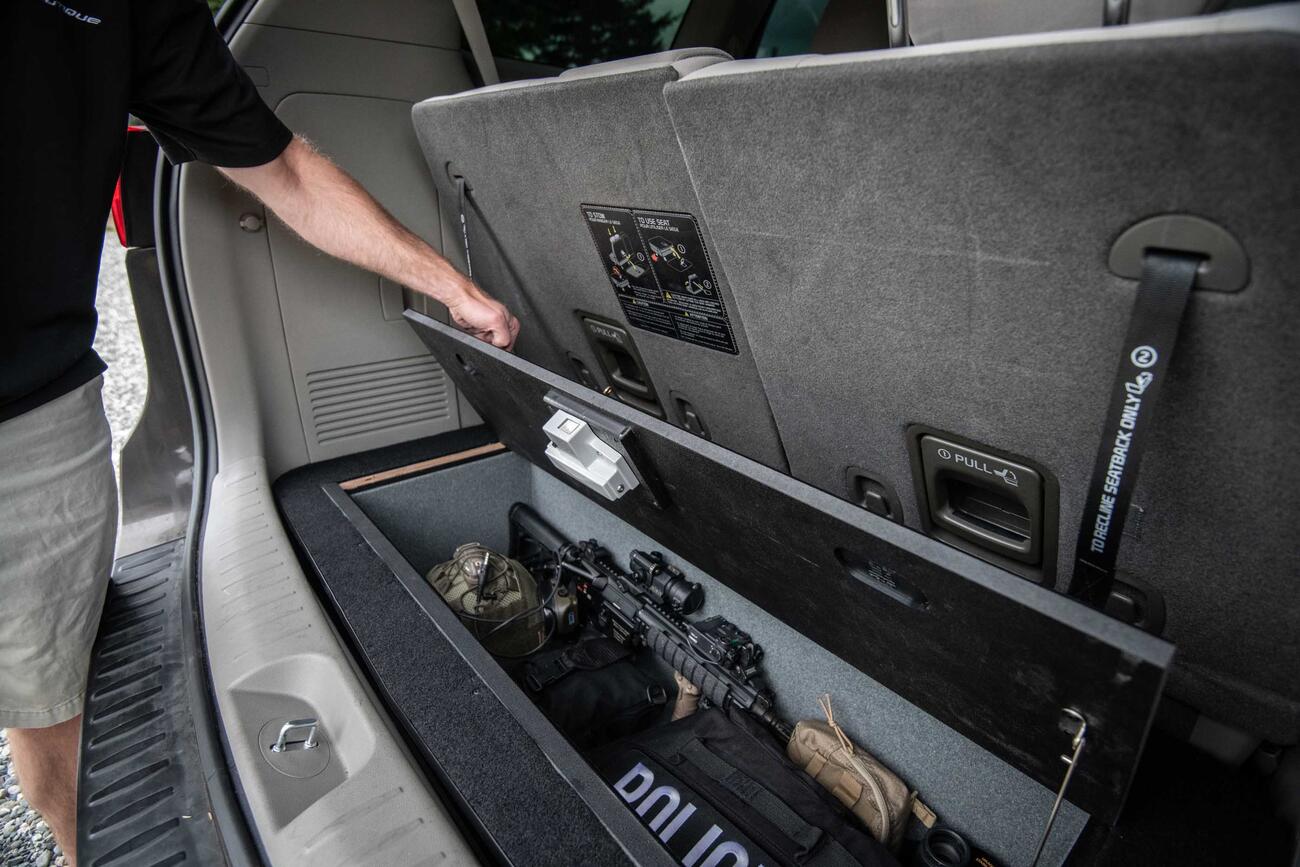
[(72, 71)]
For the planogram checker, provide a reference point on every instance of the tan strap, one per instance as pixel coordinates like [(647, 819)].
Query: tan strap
[(825, 702), (815, 765), (923, 813)]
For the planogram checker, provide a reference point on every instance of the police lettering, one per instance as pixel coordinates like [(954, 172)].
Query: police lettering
[(667, 814)]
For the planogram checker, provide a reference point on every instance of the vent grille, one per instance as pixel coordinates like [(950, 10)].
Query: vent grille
[(370, 398)]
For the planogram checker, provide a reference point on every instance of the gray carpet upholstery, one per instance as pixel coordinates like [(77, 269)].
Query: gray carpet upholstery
[(427, 517), (922, 236), (532, 155)]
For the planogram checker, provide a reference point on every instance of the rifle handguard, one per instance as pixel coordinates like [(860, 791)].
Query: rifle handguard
[(673, 653)]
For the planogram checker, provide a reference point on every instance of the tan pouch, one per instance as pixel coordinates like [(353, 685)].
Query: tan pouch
[(857, 779)]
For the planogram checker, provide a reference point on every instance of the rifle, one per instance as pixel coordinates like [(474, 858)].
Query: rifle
[(647, 608)]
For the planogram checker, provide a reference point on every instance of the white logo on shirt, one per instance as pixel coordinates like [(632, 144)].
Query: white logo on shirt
[(73, 13)]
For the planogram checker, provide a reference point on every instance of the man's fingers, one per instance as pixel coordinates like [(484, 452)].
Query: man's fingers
[(492, 323), (503, 336), (500, 335)]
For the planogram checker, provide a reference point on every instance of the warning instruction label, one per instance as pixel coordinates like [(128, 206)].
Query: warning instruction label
[(661, 273)]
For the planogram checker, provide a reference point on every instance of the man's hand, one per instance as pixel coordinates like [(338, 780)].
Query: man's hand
[(332, 212), (485, 317)]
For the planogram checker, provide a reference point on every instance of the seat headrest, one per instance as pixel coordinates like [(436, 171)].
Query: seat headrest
[(930, 21)]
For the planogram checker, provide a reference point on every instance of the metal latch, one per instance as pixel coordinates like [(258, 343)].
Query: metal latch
[(1077, 742), (577, 451), (283, 744), (296, 747)]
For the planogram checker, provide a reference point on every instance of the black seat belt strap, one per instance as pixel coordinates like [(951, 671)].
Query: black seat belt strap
[(1166, 284), (464, 227)]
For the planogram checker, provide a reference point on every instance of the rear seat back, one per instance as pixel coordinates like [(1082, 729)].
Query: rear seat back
[(487, 263), (533, 155), (921, 236)]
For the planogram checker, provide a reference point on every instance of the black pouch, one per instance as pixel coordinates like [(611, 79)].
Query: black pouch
[(594, 694), (710, 786)]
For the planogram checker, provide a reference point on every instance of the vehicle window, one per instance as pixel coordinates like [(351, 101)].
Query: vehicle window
[(568, 33), (790, 27)]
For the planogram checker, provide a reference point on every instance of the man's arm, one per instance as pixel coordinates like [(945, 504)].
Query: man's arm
[(332, 212)]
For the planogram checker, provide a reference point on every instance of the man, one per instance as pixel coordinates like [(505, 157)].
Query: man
[(74, 70)]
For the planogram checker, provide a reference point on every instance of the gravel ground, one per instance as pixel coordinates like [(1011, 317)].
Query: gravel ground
[(118, 343), (25, 839)]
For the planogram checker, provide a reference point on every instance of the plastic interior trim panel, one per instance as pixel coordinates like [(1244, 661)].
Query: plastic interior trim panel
[(220, 776), (236, 788), (994, 657), (274, 658)]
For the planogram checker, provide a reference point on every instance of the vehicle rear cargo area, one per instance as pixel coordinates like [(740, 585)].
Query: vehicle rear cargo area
[(866, 341), (489, 751)]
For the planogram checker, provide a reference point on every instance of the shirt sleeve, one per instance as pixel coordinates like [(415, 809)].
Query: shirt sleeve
[(196, 100)]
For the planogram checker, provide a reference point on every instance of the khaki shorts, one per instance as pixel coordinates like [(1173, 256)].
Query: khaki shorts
[(58, 520)]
